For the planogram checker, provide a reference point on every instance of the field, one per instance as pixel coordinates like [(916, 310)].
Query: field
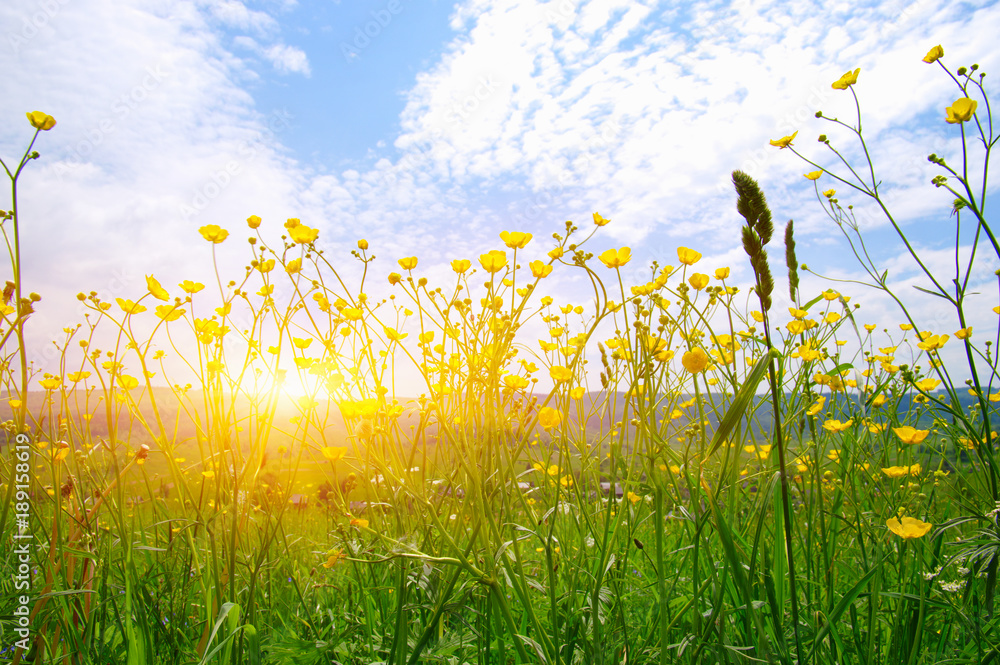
[(676, 473)]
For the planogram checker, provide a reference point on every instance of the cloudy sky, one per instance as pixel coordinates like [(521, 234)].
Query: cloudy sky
[(428, 127)]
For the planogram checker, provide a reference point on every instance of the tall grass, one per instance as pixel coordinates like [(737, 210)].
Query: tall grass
[(652, 506)]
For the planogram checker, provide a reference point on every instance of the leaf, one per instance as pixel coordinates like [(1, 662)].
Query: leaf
[(841, 607), (741, 403)]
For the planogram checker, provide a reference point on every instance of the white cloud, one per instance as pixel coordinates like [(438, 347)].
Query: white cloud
[(536, 113), (288, 59)]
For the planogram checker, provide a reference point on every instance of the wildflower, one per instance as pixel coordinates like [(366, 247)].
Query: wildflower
[(960, 111), (616, 258), (577, 393), (931, 342), (817, 406), (910, 435), (837, 426), (213, 233), (600, 221), (539, 269), (829, 193), (927, 385), (908, 528), (187, 286), (409, 263), (515, 239), (698, 281), (633, 497), (934, 54), (334, 558), (41, 121), (560, 374), (302, 234), (964, 333), (556, 253), (459, 265), (265, 266), (493, 261), (687, 256), (393, 334), (359, 522), (351, 313), (395, 278), (722, 273), (813, 175), (549, 417), (334, 453), (155, 289), (784, 141), (514, 382), (253, 221), (362, 244), (169, 312), (129, 307), (847, 80), (695, 360)]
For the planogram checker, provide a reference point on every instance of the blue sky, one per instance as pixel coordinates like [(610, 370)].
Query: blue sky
[(457, 120)]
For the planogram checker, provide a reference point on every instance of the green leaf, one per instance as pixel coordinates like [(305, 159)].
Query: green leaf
[(741, 403)]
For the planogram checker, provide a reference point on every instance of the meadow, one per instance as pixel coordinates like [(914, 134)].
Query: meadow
[(233, 473)]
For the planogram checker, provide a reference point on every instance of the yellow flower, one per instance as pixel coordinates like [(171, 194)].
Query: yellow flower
[(722, 273), (687, 256), (549, 417), (393, 334), (695, 360), (334, 558), (77, 376), (51, 383), (409, 263), (362, 244), (927, 384), (964, 333), (514, 382), (908, 528), (600, 221), (302, 234), (293, 266), (616, 258), (829, 193), (266, 266), (934, 54), (539, 269), (395, 278), (837, 426), (213, 233), (784, 141), (187, 286), (817, 406), (961, 110), (493, 261), (169, 312), (155, 289), (910, 435), (813, 175), (41, 121), (461, 265), (633, 497), (931, 342), (515, 239), (129, 307), (127, 382), (560, 374), (698, 281), (334, 453), (253, 221), (359, 522), (577, 393), (556, 253), (847, 80)]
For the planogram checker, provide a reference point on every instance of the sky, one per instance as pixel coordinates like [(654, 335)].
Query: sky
[(430, 127)]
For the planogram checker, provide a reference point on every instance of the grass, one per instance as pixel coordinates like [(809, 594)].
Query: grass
[(801, 489)]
